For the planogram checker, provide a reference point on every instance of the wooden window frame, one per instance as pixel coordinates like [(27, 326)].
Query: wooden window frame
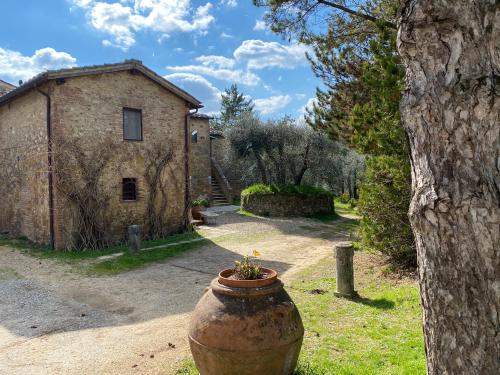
[(123, 124)]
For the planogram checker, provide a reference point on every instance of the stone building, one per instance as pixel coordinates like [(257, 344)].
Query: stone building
[(115, 138)]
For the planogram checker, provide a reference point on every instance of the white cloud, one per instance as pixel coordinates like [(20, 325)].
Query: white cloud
[(272, 104), (226, 36), (15, 66), (251, 54), (218, 67), (309, 105), (216, 61), (259, 25), (201, 88), (259, 54), (122, 19), (303, 110), (237, 76), (229, 3)]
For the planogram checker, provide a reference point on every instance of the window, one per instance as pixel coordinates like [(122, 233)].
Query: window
[(194, 136), (132, 124), (129, 189)]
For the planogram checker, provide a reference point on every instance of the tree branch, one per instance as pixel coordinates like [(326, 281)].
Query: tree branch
[(358, 14)]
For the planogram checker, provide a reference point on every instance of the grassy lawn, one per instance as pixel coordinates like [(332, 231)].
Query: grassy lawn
[(378, 333), (87, 262)]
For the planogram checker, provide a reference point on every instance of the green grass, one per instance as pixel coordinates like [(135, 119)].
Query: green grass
[(187, 367), (122, 263), (345, 208), (378, 333)]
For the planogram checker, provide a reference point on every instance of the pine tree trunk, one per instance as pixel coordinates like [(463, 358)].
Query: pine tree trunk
[(451, 112)]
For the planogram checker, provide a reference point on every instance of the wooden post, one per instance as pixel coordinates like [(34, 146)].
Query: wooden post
[(344, 253), (134, 238)]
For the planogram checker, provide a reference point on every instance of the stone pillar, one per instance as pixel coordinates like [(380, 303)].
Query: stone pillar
[(134, 238), (344, 253)]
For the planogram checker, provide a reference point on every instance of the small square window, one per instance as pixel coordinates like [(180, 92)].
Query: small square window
[(129, 189), (132, 124), (194, 136)]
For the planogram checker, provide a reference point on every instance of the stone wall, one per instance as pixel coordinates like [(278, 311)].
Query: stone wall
[(288, 204), (23, 168), (199, 161)]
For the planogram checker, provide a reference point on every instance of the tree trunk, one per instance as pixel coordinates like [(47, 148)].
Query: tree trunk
[(261, 167), (451, 110)]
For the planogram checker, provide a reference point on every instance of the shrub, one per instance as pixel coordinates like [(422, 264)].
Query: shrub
[(344, 198), (304, 189), (200, 203), (256, 189), (353, 203), (383, 203)]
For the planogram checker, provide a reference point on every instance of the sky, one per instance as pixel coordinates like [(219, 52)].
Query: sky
[(203, 47)]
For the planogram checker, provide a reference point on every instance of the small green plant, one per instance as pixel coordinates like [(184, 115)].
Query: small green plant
[(202, 202), (246, 269), (353, 203), (344, 198)]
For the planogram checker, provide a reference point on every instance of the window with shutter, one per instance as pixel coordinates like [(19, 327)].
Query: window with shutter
[(132, 124)]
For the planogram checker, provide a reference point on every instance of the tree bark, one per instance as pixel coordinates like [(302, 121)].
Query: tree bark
[(451, 112), (261, 167)]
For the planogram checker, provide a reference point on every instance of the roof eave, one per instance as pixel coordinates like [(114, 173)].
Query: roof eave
[(100, 69)]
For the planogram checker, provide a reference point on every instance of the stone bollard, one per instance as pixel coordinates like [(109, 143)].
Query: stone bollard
[(134, 238), (344, 253)]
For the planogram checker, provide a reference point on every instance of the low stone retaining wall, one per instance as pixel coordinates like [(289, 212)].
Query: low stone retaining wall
[(288, 204)]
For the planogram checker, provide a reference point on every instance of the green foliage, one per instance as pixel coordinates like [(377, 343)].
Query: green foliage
[(201, 202), (344, 198), (234, 105), (282, 153), (303, 189), (363, 75), (383, 203), (245, 269), (256, 189)]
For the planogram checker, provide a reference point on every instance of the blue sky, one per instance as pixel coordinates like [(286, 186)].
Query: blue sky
[(202, 46)]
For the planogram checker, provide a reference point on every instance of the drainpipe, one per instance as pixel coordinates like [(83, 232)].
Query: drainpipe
[(187, 198), (50, 169)]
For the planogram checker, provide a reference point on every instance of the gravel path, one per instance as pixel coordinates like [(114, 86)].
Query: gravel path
[(54, 320)]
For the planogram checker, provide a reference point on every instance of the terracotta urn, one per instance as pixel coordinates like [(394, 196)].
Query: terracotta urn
[(246, 327), (196, 211)]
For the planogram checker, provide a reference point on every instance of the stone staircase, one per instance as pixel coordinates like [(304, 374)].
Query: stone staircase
[(218, 197)]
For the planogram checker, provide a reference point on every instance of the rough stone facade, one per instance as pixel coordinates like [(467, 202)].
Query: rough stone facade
[(23, 168), (288, 204), (88, 110), (199, 161)]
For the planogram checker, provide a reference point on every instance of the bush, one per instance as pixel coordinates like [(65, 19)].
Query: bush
[(383, 203), (344, 198), (303, 189), (200, 203), (256, 189)]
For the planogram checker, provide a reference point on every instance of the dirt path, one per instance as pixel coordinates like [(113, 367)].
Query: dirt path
[(53, 320)]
